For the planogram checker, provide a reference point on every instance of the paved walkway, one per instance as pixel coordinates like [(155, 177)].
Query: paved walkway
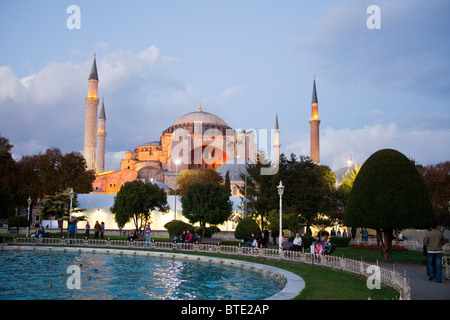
[(421, 287)]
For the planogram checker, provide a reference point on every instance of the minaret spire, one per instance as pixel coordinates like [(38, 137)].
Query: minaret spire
[(314, 123), (276, 142), (101, 137), (90, 126)]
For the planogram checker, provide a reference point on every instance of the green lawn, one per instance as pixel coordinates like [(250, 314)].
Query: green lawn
[(407, 257)]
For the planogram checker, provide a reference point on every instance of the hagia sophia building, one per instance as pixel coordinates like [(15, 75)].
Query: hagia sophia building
[(196, 140)]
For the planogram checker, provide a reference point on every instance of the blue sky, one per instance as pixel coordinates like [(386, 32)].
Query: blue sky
[(244, 60)]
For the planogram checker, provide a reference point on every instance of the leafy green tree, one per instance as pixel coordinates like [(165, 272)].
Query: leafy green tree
[(186, 178), (58, 206), (308, 188), (6, 204), (259, 189), (437, 179), (389, 194), (206, 203), (135, 201)]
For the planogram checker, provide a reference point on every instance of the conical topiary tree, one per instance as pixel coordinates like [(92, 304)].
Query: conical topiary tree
[(389, 194)]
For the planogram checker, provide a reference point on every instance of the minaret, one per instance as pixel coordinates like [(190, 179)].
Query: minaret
[(314, 123), (101, 135), (276, 143), (90, 126)]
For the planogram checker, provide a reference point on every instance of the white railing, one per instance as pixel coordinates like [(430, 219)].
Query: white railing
[(446, 266), (389, 277)]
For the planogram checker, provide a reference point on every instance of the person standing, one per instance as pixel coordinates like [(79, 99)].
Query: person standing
[(71, 229), (434, 240), (87, 230), (147, 232), (102, 229), (97, 229)]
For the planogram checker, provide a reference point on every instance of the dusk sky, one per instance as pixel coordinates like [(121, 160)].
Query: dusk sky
[(244, 60)]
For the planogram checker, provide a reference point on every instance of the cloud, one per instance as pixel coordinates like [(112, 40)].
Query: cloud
[(136, 86), (230, 92), (336, 146), (409, 52)]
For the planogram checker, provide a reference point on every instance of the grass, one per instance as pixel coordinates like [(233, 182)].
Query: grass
[(398, 256)]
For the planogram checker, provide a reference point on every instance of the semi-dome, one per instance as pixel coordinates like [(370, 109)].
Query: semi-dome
[(234, 167)]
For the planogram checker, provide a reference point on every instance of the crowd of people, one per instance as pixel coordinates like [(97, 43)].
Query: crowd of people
[(185, 237), (72, 229)]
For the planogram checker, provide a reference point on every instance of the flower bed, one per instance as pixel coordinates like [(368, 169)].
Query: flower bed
[(363, 246)]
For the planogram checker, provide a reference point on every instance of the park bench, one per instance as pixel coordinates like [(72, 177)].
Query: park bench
[(210, 241)]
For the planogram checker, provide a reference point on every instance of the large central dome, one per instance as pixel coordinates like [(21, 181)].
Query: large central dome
[(205, 117)]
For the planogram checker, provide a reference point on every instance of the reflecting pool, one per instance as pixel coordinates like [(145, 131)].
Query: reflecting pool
[(30, 275)]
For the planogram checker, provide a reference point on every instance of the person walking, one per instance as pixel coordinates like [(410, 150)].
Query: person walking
[(434, 240)]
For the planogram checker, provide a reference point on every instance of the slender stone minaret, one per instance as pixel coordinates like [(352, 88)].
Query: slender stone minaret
[(90, 126), (314, 123), (276, 143), (101, 135)]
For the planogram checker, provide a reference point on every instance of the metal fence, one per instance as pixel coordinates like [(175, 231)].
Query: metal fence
[(386, 276)]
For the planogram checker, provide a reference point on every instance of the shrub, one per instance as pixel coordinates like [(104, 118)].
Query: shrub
[(208, 231), (17, 221), (245, 228), (341, 242), (176, 227)]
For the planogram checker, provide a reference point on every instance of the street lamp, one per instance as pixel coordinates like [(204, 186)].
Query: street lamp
[(177, 162), (71, 194), (280, 193), (29, 208)]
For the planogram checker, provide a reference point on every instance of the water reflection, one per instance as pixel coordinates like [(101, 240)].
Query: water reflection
[(29, 276)]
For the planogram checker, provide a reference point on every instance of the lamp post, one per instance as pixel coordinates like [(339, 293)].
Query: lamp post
[(71, 194), (280, 237), (29, 208), (177, 162)]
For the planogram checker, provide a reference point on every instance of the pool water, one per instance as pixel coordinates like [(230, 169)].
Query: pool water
[(27, 275)]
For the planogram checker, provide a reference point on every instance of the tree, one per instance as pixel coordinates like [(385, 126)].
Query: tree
[(46, 174), (58, 206), (186, 178), (259, 189), (206, 203), (437, 179), (135, 201), (227, 184), (389, 194), (308, 189)]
